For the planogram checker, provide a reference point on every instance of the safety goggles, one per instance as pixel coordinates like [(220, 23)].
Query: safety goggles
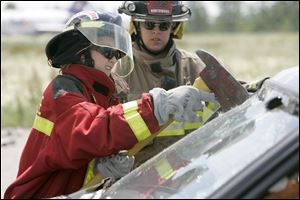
[(163, 26), (109, 53)]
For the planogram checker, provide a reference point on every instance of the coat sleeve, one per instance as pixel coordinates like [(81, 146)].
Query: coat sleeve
[(86, 130)]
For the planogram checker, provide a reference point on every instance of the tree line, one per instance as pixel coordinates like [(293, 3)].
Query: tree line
[(236, 16)]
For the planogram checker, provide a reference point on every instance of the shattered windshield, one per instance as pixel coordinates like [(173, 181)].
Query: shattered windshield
[(210, 156)]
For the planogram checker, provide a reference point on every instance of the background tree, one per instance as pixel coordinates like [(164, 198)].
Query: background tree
[(199, 21), (239, 16), (229, 18)]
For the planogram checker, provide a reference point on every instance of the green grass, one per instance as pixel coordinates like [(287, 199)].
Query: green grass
[(25, 72), (248, 56), (24, 75)]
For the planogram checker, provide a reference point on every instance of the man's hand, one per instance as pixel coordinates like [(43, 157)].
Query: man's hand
[(116, 166), (182, 103)]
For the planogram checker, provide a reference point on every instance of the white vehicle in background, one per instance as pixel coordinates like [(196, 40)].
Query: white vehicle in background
[(43, 17)]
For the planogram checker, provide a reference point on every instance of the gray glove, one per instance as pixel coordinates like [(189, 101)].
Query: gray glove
[(117, 165), (182, 103)]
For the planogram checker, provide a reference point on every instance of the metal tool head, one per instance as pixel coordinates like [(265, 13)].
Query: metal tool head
[(229, 92)]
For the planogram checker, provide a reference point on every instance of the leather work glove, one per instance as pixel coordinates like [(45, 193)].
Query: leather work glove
[(182, 103), (116, 166)]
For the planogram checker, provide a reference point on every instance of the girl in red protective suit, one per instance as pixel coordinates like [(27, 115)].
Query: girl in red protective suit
[(80, 117)]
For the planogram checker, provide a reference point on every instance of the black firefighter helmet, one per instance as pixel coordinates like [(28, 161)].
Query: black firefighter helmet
[(85, 29)]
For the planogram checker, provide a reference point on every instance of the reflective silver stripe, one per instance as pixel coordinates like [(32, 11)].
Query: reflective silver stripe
[(135, 121)]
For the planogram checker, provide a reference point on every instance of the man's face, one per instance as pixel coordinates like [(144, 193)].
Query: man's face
[(155, 35)]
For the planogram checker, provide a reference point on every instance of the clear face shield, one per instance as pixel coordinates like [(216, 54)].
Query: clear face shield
[(109, 35)]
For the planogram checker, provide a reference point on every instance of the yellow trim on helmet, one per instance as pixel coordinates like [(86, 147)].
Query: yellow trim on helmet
[(91, 24)]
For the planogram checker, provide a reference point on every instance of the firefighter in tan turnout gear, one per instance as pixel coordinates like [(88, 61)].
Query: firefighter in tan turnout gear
[(158, 63)]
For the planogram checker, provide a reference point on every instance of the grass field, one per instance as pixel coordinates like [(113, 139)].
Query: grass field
[(25, 73)]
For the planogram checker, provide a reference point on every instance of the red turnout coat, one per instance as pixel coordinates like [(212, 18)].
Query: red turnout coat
[(78, 120)]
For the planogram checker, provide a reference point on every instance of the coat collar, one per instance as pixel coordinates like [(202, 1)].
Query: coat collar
[(99, 85)]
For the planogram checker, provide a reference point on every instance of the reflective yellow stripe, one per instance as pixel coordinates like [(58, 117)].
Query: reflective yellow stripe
[(164, 169), (178, 128), (171, 133), (175, 128), (209, 110), (207, 113), (189, 126), (43, 125), (211, 105), (135, 121), (89, 172), (251, 85)]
